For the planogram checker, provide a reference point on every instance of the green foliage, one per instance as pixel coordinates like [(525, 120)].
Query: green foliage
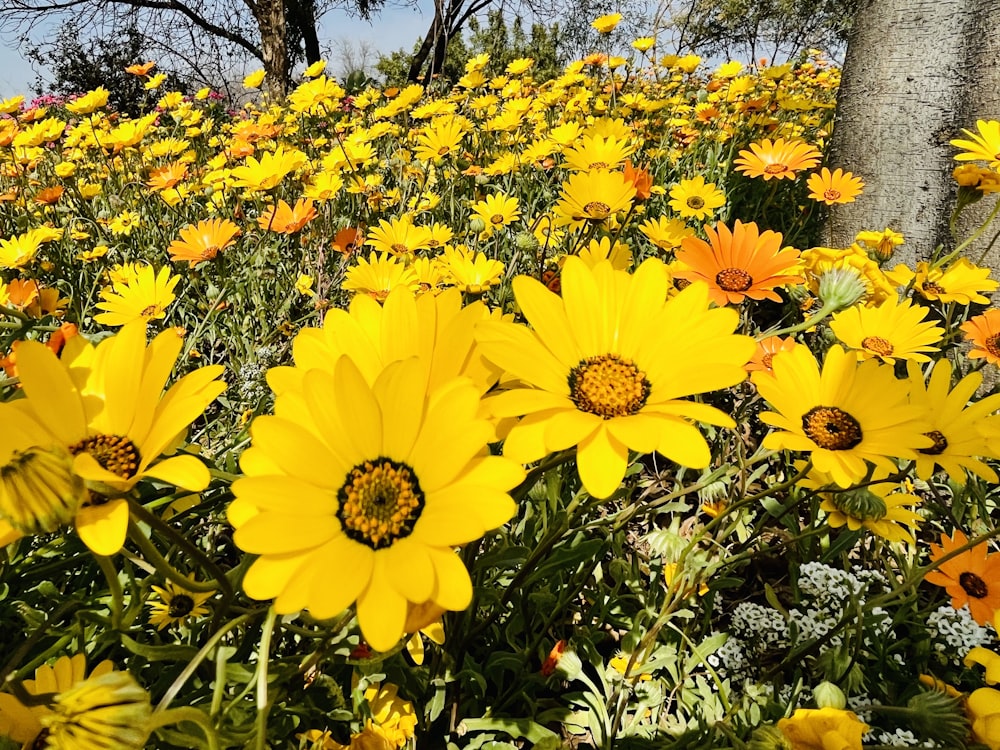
[(79, 65)]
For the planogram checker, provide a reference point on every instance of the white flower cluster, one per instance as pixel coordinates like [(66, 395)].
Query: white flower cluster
[(899, 738), (954, 633)]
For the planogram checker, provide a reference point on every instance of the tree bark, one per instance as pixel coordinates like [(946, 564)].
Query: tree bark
[(916, 72), (270, 18)]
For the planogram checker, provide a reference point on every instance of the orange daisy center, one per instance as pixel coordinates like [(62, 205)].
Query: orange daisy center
[(831, 428), (399, 248), (496, 219), (992, 344), (733, 280), (608, 386), (597, 210), (878, 345), (831, 194), (776, 168)]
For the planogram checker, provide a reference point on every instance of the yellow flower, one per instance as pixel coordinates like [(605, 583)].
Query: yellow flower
[(155, 82), (378, 275), (961, 282), (605, 372), (845, 416), (496, 211), (269, 171), (471, 272), (23, 723), (594, 196), (124, 223), (315, 69), (891, 331), (108, 711), (984, 712), (97, 417), (695, 199), (323, 474), (144, 298), (598, 152), (643, 44), (89, 102), (606, 24), (666, 234), (398, 236), (834, 187), (823, 729), (19, 250), (603, 249), (254, 80), (882, 244), (303, 285), (175, 605), (985, 658), (983, 146)]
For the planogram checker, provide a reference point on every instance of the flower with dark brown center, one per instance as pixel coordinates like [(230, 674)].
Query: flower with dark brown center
[(597, 211), (380, 502), (877, 345), (940, 444), (116, 453), (973, 585), (832, 428), (695, 202)]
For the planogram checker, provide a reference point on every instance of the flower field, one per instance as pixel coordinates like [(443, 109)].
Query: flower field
[(513, 414)]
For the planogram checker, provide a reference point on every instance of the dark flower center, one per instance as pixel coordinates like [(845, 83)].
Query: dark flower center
[(597, 210), (180, 605), (380, 502), (116, 453), (940, 444), (696, 202), (973, 585), (831, 428), (992, 344), (831, 194)]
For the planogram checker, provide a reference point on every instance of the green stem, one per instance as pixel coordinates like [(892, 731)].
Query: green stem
[(163, 567), (183, 677), (263, 655), (115, 586), (187, 713)]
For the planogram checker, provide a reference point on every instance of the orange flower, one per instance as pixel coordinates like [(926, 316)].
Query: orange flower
[(346, 241), (22, 292), (738, 264), (55, 344), (140, 70), (285, 219), (203, 241), (984, 333), (640, 179), (549, 666), (972, 577), (834, 187), (166, 177), (780, 159), (766, 349), (49, 195)]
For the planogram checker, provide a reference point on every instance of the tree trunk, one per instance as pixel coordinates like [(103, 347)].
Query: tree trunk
[(303, 15), (916, 72), (270, 17)]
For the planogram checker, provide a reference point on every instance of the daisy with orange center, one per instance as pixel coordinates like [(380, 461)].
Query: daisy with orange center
[(982, 146), (834, 187), (984, 333), (971, 578), (203, 241), (779, 159), (766, 349), (738, 264), (285, 219)]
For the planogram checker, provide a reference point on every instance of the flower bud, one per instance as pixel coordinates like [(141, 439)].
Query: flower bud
[(110, 712), (476, 224), (841, 288), (939, 716), (526, 242), (39, 492), (828, 695)]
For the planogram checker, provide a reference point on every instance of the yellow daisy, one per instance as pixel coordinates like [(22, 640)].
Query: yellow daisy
[(893, 330), (962, 282), (981, 146), (597, 152), (497, 211), (846, 416), (379, 275), (175, 605), (144, 298), (93, 425), (696, 199), (470, 272), (380, 480), (608, 367), (594, 196), (957, 427)]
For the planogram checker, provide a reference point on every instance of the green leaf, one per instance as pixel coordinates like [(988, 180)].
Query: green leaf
[(525, 728)]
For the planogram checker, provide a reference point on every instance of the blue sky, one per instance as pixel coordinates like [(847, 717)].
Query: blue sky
[(392, 29)]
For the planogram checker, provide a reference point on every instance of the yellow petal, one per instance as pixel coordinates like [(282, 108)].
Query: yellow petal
[(381, 610), (103, 527), (186, 472), (682, 443), (601, 461), (409, 568), (454, 587), (279, 533), (51, 392), (329, 596), (269, 575)]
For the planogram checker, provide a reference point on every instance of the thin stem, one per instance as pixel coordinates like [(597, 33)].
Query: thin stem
[(187, 713), (263, 655), (189, 670), (163, 567), (115, 586)]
